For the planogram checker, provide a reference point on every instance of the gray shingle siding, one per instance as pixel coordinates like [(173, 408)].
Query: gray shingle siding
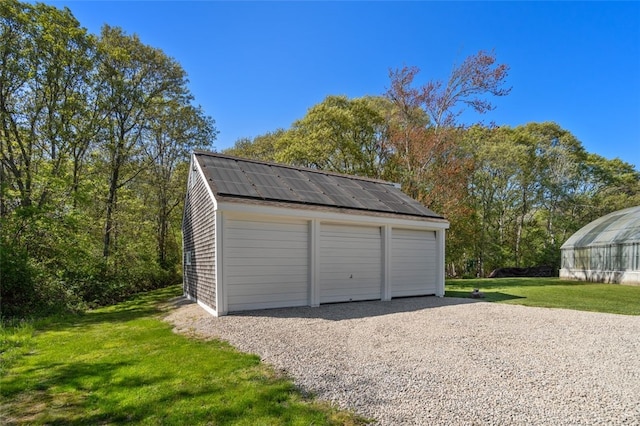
[(199, 231)]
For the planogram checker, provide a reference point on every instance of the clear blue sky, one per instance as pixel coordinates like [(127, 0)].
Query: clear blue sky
[(255, 67)]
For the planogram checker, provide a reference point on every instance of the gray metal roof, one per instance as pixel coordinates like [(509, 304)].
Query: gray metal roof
[(250, 179)]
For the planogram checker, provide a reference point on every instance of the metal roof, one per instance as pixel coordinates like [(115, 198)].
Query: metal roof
[(250, 179)]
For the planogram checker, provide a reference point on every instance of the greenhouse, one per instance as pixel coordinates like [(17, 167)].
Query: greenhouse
[(606, 250)]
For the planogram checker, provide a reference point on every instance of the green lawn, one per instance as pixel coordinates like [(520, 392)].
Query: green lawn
[(122, 364), (552, 293)]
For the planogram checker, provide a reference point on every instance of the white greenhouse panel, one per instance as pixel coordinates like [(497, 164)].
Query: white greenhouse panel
[(350, 263), (266, 264)]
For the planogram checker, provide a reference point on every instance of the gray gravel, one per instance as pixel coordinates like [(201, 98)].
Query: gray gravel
[(423, 361)]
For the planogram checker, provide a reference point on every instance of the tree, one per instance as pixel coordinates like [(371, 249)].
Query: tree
[(137, 81), (93, 130), (338, 134), (262, 147), (45, 68), (46, 63), (175, 130), (425, 134), (532, 187)]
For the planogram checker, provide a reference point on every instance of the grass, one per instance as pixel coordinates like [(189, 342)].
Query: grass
[(122, 364), (552, 293)]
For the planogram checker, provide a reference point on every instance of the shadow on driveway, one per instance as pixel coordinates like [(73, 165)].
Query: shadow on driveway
[(354, 310)]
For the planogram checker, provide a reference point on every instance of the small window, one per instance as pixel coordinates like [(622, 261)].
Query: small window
[(187, 258), (192, 178)]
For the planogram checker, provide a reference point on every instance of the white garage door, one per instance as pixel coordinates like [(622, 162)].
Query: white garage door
[(350, 263), (413, 263), (266, 264)]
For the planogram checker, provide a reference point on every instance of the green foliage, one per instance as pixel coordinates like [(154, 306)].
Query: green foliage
[(17, 287), (338, 134), (552, 293), (531, 188), (261, 147), (512, 195), (122, 364), (95, 135)]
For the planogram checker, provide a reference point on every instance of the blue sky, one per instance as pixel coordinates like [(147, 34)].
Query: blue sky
[(255, 67)]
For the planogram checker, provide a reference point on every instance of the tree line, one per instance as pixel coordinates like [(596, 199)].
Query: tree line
[(96, 132), (513, 195)]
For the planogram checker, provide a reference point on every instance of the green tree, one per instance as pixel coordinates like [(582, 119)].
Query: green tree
[(45, 66), (532, 187), (95, 134), (46, 63), (138, 80), (175, 131), (262, 147), (339, 134)]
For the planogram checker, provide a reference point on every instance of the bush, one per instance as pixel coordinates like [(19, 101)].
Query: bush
[(71, 282), (17, 289)]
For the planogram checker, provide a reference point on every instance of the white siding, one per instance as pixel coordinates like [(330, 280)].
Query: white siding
[(413, 263), (350, 263), (266, 264)]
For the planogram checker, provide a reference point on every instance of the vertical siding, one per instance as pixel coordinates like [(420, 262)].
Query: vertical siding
[(266, 263), (350, 263), (615, 263), (198, 233), (413, 263)]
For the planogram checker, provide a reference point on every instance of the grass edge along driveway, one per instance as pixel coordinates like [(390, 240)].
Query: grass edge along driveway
[(123, 364)]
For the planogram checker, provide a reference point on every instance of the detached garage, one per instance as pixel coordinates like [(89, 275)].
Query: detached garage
[(259, 235)]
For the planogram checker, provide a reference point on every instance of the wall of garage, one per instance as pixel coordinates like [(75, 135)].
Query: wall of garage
[(283, 261)]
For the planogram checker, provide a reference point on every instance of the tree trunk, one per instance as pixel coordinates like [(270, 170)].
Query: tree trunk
[(114, 176)]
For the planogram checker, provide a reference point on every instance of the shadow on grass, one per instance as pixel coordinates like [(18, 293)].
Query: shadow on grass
[(89, 393), (74, 394), (95, 376), (493, 296), (490, 283), (141, 305)]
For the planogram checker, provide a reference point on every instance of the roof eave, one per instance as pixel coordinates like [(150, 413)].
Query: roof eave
[(223, 198)]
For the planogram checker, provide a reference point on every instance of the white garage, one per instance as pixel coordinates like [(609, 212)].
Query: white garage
[(267, 264), (413, 263), (259, 235), (350, 263)]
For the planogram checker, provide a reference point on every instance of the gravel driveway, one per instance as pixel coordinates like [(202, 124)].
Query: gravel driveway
[(423, 361)]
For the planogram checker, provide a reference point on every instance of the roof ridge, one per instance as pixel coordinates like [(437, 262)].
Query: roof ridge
[(288, 166)]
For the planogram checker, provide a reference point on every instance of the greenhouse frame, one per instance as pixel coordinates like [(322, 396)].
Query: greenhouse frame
[(606, 250)]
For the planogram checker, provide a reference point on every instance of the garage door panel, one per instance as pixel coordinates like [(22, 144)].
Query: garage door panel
[(239, 241), (413, 264), (263, 301), (260, 252), (265, 244), (260, 289), (335, 276), (251, 224), (350, 263), (414, 234), (270, 273), (266, 264)]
